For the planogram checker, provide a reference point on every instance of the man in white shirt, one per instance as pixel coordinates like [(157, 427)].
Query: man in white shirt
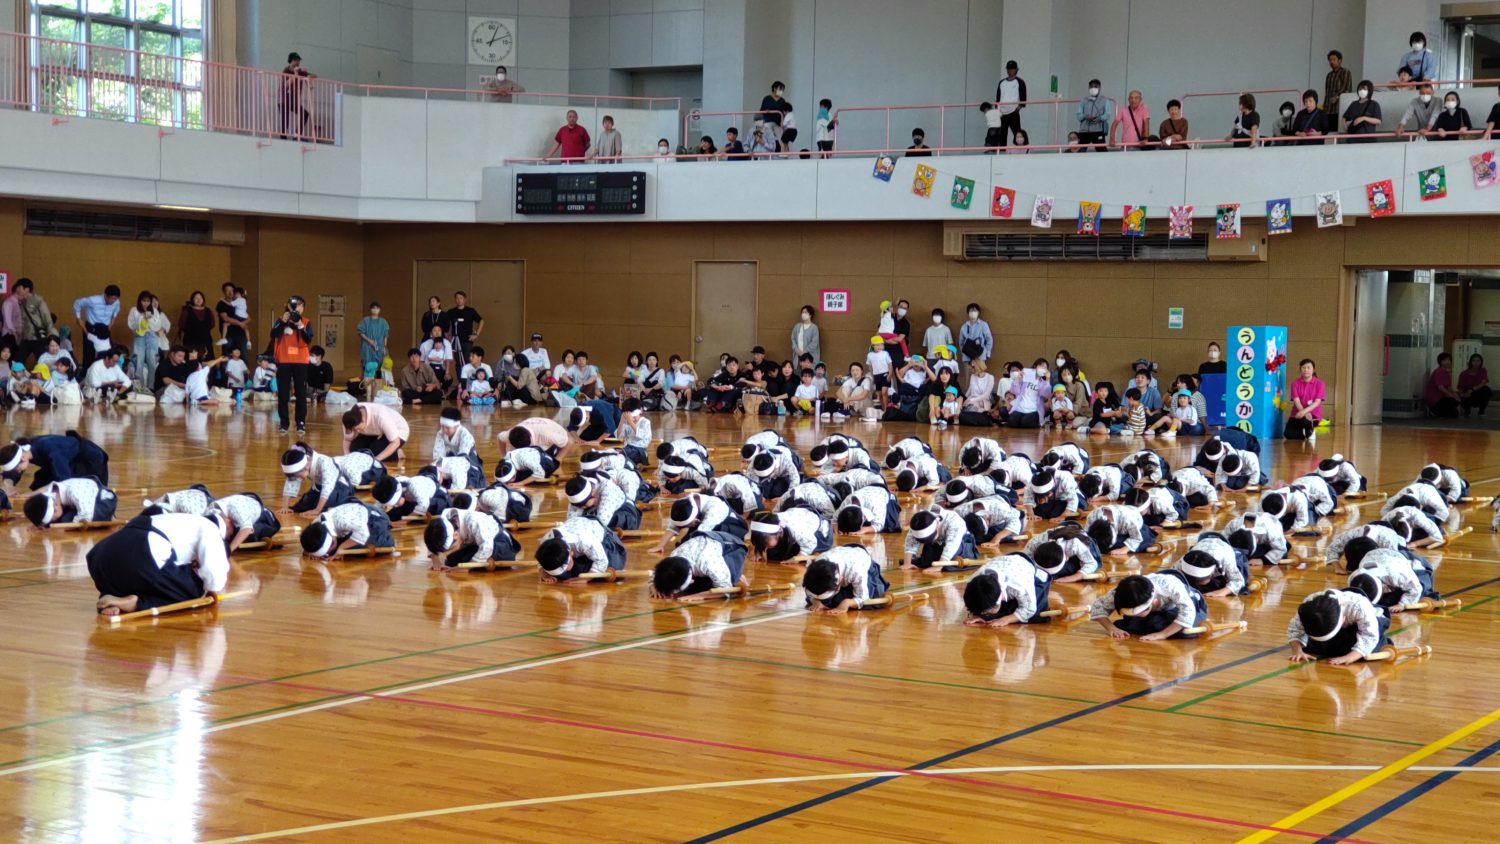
[(105, 380), (1010, 98)]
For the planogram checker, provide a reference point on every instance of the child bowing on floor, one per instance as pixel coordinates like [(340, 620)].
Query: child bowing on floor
[(577, 547), (1161, 605), (1118, 530), (698, 512), (242, 518), (1216, 568), (1341, 626), (843, 579), (69, 502), (347, 527), (937, 537), (602, 501), (156, 560), (798, 532), (462, 536), (1065, 553), (704, 561), (1005, 591), (1261, 538), (1393, 580), (455, 440), (328, 486), (418, 495)]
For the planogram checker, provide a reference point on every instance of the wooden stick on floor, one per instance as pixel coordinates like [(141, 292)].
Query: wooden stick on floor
[(1216, 626), (1366, 496), (732, 593), (1463, 531), (895, 602), (610, 576), (1430, 605), (1258, 584), (491, 565), (640, 534), (1063, 612), (1181, 526), (271, 544), (180, 606), (1393, 653), (83, 526), (367, 552)]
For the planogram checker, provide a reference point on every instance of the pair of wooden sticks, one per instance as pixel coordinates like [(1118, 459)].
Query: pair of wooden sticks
[(180, 606)]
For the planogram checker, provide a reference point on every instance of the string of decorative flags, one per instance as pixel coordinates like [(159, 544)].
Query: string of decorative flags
[(1328, 207)]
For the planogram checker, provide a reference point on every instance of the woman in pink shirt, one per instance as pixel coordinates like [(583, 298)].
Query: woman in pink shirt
[(538, 431), (1307, 403), (1439, 396), (1474, 386), (376, 428)]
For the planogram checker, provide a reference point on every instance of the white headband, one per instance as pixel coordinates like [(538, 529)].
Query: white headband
[(450, 423), (692, 516), (1196, 571), (395, 496), (588, 463), (687, 581), (327, 545), (826, 595), (766, 471), (47, 515), (1379, 588), (765, 527), (1140, 610), (923, 533), (820, 461), (1329, 473), (1325, 637), (1053, 569), (447, 530), (294, 468), (15, 461), (1045, 488), (673, 468), (507, 471), (589, 485), (960, 495)]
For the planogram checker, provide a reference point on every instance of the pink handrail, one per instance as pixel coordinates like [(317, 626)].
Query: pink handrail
[(942, 109), (696, 115), (75, 79), (1295, 92)]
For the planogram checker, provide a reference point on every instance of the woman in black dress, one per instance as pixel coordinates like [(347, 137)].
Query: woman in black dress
[(195, 325)]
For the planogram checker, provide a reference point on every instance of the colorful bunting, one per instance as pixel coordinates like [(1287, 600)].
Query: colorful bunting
[(1382, 198), (1329, 209), (1279, 216), (1133, 224), (921, 185), (1433, 183), (1484, 167), (963, 193), (1088, 218), (1004, 203), (885, 165), (1180, 222), (1041, 212), (1227, 221)]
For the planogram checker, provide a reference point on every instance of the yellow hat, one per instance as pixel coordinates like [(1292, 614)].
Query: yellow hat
[(877, 340), (43, 370), (885, 303), (944, 352), (387, 363)]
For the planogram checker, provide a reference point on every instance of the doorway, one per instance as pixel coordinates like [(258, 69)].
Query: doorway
[(724, 310), (497, 290)]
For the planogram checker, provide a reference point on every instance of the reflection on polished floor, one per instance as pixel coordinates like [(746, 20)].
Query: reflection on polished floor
[(375, 701)]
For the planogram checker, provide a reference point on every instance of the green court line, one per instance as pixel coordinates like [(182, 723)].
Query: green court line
[(1296, 665), (1330, 733), (106, 745), (871, 676)]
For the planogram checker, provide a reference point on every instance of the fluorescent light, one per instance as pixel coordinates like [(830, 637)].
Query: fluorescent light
[(182, 208)]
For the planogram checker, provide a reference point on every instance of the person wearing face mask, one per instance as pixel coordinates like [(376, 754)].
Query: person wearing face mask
[(938, 334), (1285, 124), (1095, 112), (805, 339), (1420, 60), (900, 340), (502, 88), (373, 332), (1362, 117), (1452, 121), (1420, 114), (1215, 363), (919, 147), (975, 341), (664, 151)]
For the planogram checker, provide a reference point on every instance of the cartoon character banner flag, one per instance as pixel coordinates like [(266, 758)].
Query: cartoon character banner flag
[(1003, 204), (1279, 216), (1180, 222), (1088, 218), (1484, 167), (1433, 183), (1227, 221), (963, 193), (1133, 224), (1041, 212), (921, 185), (1382, 197), (885, 165), (1330, 209)]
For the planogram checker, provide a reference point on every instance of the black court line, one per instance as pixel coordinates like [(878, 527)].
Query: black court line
[(1011, 736)]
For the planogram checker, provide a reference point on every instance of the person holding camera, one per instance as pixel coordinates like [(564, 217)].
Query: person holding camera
[(291, 340)]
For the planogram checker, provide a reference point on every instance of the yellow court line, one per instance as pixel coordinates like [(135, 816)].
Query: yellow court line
[(856, 775), (1370, 780)]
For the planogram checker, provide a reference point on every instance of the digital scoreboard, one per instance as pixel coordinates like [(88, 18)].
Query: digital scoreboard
[(572, 192)]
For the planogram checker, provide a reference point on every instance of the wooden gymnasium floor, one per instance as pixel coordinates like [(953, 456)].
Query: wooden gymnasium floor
[(375, 701)]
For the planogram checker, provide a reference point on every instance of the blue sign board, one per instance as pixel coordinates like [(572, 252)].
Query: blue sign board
[(1255, 391)]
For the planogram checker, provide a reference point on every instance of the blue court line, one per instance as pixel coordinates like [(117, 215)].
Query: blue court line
[(1021, 733), (1409, 795)]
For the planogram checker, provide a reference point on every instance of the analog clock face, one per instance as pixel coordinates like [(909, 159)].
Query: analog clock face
[(491, 40)]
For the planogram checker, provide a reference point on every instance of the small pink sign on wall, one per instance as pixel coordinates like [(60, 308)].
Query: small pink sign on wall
[(4, 282), (835, 300)]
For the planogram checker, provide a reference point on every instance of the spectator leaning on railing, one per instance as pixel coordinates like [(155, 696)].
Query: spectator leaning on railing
[(1362, 117), (502, 88), (571, 140), (1420, 113)]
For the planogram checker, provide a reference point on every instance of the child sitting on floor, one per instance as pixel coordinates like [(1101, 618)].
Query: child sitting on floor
[(843, 579), (1161, 605)]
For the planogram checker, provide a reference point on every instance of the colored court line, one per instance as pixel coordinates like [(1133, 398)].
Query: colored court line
[(1370, 780), (1021, 733), (277, 713), (1416, 791), (705, 786)]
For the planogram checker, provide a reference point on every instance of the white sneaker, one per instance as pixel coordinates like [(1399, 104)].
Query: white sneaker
[(29, 403), (942, 423), (1149, 433), (221, 342), (826, 417), (1169, 435)]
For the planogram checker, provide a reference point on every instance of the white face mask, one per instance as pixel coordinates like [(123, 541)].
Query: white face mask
[(1286, 112), (499, 77), (937, 320), (807, 317), (1426, 98), (900, 312), (1213, 354), (1451, 106), (663, 149), (1417, 45), (973, 315), (1364, 93), (1061, 362), (1093, 92), (1041, 372), (508, 357)]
